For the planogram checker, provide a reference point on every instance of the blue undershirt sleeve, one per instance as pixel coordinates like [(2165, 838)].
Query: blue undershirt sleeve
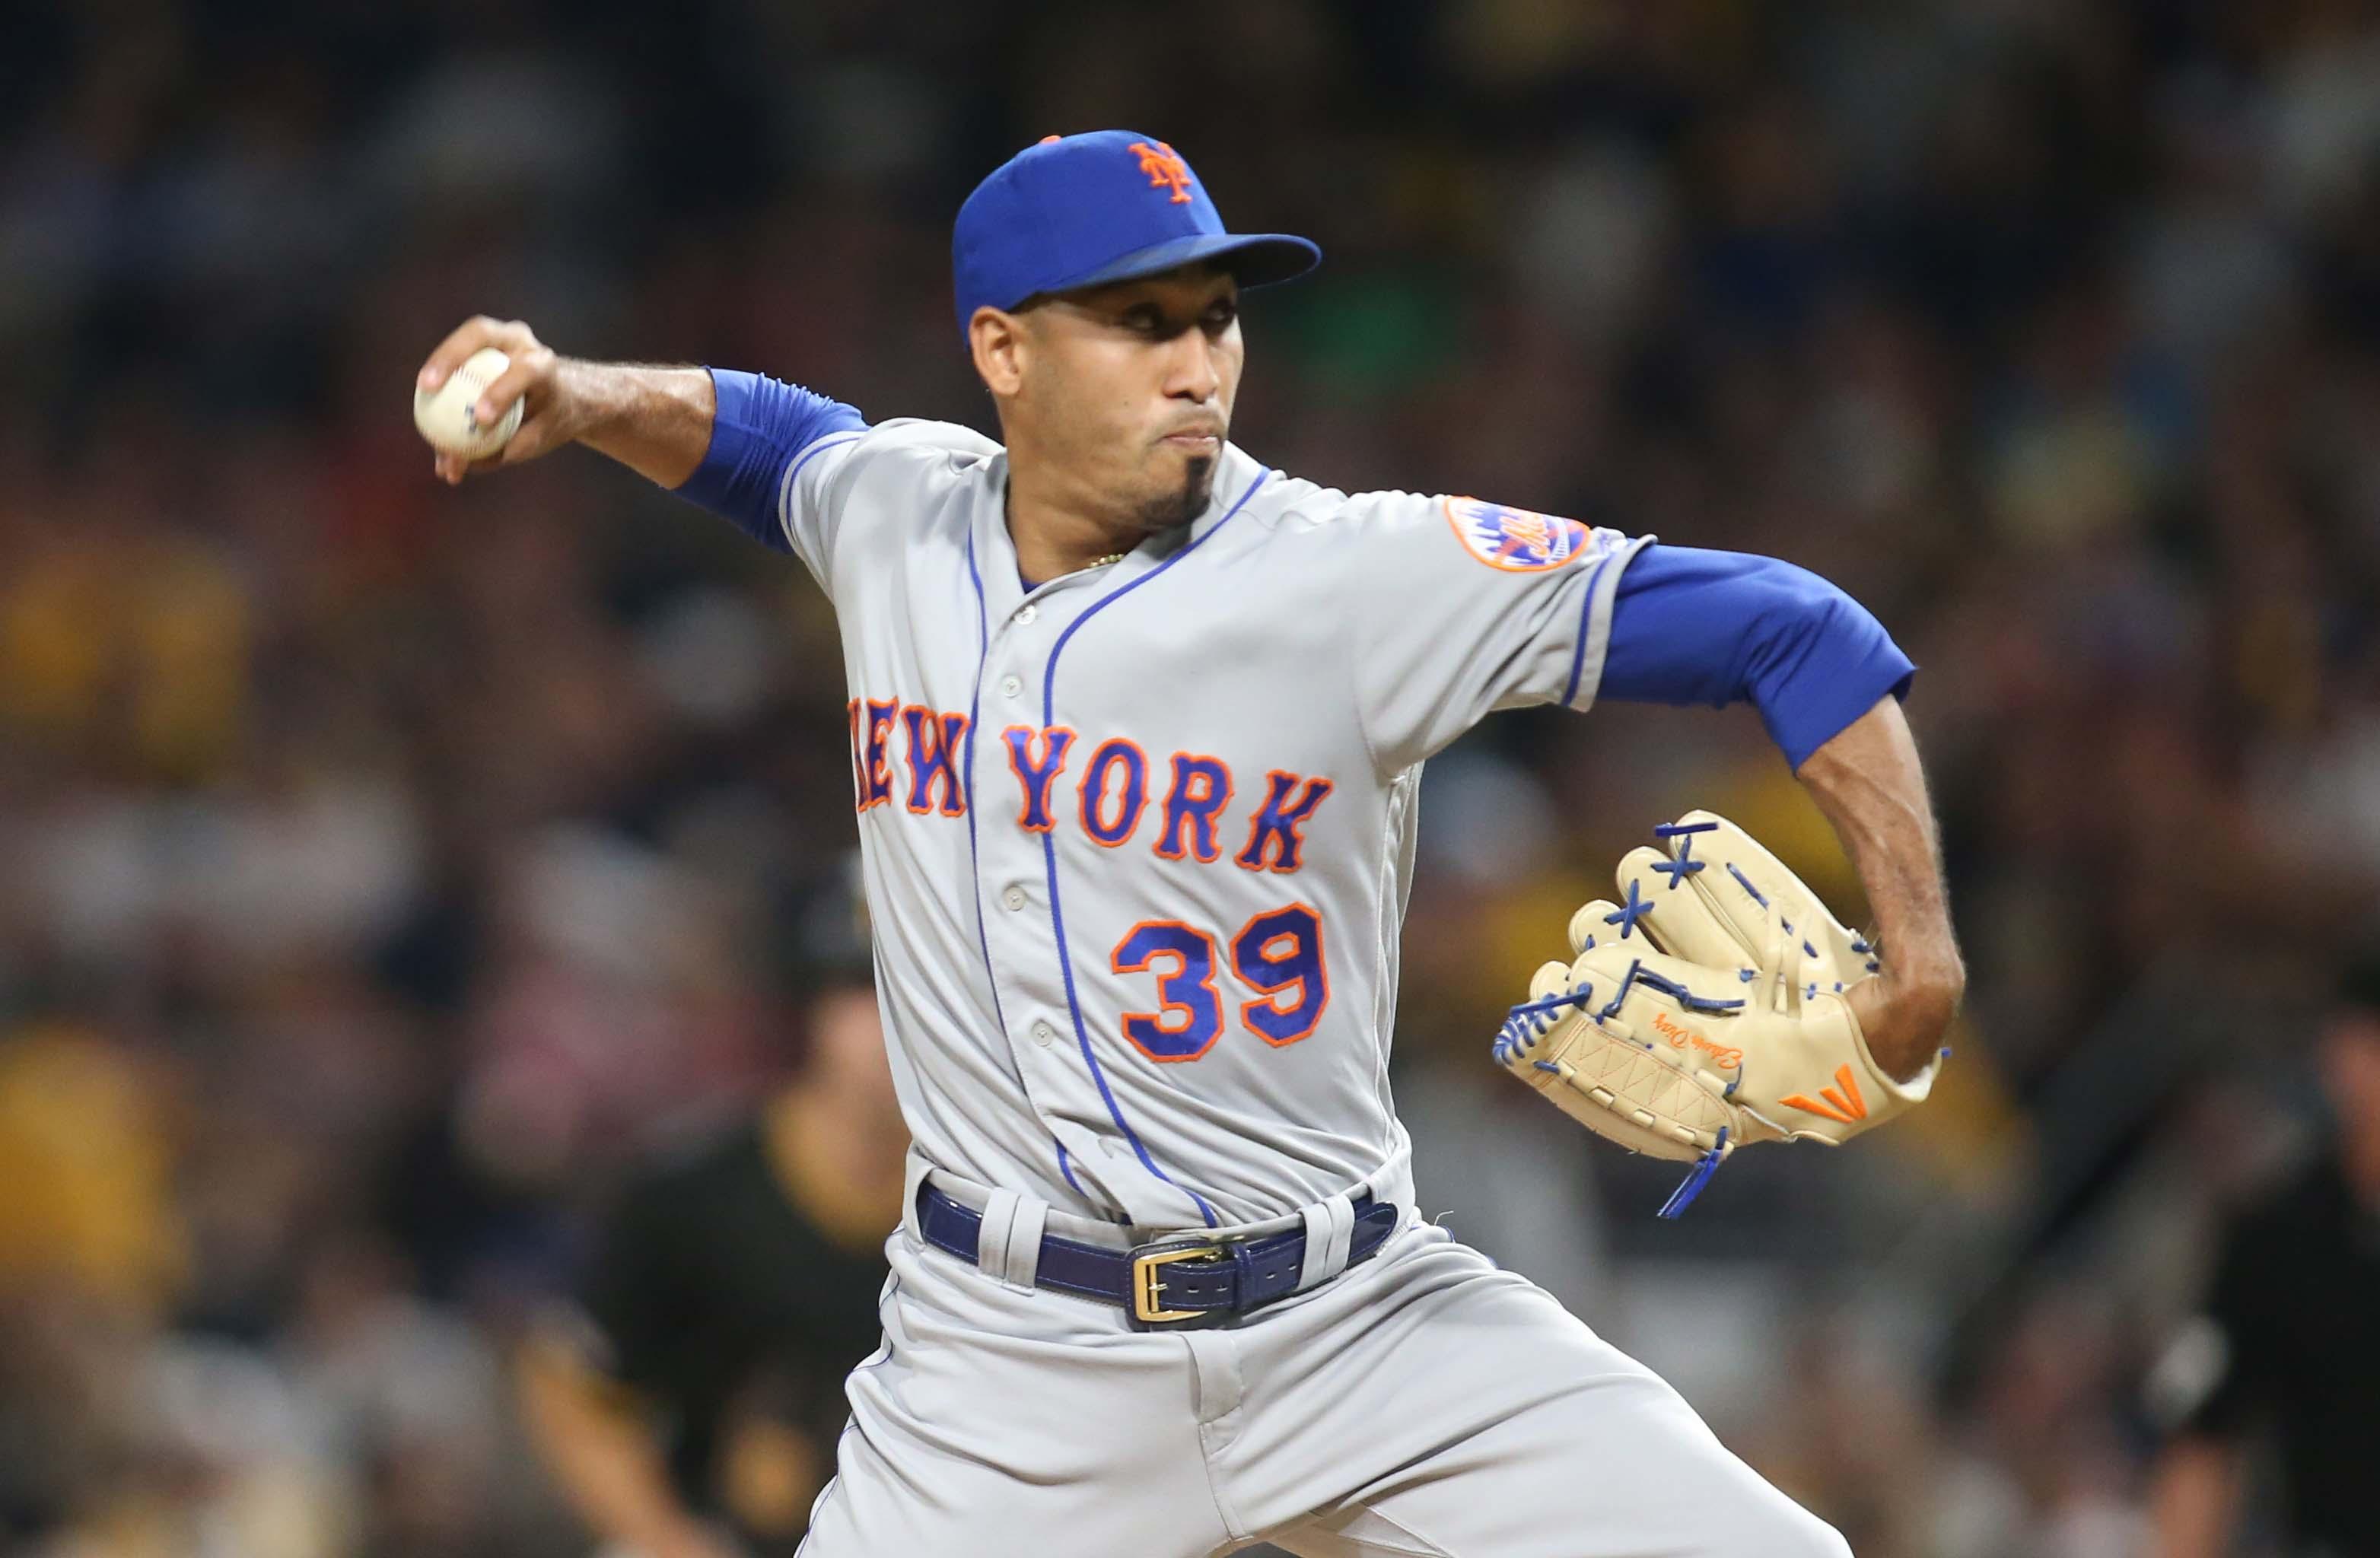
[(760, 425), (1696, 626)]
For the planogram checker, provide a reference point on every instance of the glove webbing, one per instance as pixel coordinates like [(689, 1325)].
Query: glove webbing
[(1527, 1022)]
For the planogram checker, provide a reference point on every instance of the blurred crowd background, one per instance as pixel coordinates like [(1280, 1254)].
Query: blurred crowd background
[(386, 869)]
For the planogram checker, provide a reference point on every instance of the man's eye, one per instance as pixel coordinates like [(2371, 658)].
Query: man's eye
[(1142, 317), (1220, 316)]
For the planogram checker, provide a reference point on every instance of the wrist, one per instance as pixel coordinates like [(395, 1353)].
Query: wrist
[(1902, 1020), (1929, 987), (1920, 964)]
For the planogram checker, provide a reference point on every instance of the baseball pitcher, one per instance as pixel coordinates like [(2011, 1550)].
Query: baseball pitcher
[(1137, 726)]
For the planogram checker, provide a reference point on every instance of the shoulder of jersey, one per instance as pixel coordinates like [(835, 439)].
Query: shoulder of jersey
[(1289, 502), (1294, 505), (1504, 538), (907, 451), (929, 439)]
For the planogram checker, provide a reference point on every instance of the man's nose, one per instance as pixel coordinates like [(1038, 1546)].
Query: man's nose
[(1191, 370)]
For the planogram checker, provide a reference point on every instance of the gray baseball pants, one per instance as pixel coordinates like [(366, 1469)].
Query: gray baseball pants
[(1423, 1404)]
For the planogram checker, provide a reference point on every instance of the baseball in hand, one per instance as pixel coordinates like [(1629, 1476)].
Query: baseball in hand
[(443, 414)]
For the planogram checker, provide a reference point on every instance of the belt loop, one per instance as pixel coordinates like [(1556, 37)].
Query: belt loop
[(912, 1179), (1024, 1255), (992, 1235), (1330, 1233)]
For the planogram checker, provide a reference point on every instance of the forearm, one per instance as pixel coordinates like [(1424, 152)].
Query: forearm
[(1868, 782), (722, 438), (603, 1457), (656, 421)]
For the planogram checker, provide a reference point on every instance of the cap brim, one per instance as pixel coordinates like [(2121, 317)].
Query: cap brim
[(1253, 258)]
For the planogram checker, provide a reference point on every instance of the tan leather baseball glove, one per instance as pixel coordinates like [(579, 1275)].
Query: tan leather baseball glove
[(1704, 1010)]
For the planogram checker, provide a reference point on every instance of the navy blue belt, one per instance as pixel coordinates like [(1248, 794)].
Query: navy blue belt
[(1171, 1280)]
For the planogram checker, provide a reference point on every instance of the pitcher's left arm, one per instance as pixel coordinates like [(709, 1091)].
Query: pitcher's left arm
[(1690, 625)]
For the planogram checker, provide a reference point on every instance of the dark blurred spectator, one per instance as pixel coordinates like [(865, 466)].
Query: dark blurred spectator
[(690, 1402), (2272, 1359)]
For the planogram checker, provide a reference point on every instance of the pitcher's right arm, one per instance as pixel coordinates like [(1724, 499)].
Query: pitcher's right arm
[(718, 438), (654, 420)]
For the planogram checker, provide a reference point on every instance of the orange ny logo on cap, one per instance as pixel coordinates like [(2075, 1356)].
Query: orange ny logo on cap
[(1165, 169)]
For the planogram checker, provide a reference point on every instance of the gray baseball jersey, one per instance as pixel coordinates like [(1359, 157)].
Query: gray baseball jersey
[(1137, 841)]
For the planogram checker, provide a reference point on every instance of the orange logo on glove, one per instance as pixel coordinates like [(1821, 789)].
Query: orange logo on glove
[(1165, 169), (1844, 1108)]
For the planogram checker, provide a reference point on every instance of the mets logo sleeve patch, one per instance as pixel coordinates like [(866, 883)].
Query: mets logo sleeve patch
[(1439, 641), (1517, 540)]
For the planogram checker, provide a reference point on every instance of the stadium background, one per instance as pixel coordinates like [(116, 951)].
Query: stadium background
[(381, 866)]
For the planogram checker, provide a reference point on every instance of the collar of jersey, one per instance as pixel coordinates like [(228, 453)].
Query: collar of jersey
[(1235, 472)]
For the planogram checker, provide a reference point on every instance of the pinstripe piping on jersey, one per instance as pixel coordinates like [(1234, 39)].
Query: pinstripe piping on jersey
[(1050, 847), (1578, 655), (975, 702), (794, 467), (1598, 589), (982, 938)]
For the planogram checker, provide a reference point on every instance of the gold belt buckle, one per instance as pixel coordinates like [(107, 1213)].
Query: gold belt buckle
[(1146, 1286)]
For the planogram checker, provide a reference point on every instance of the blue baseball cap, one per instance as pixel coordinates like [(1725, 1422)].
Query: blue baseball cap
[(1084, 210)]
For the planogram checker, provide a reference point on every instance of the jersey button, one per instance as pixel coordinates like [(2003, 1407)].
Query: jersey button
[(1014, 897), (1010, 687), (1043, 1034), (1025, 614)]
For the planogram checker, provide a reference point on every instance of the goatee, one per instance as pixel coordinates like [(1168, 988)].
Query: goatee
[(1183, 505)]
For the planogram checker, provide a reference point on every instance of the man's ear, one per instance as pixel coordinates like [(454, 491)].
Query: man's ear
[(996, 340)]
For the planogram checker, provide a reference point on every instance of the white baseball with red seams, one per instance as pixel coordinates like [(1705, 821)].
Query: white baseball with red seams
[(445, 416)]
